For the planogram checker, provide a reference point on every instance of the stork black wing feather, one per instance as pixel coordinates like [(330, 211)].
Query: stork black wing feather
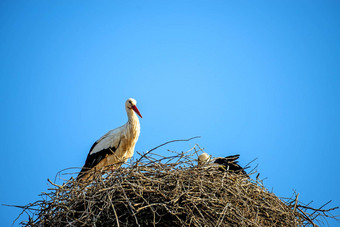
[(93, 159), (232, 157), (230, 163)]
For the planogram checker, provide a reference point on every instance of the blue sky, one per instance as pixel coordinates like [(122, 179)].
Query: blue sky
[(255, 78)]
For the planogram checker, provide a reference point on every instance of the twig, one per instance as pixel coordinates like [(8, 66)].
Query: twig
[(59, 186), (307, 217), (296, 202), (172, 141)]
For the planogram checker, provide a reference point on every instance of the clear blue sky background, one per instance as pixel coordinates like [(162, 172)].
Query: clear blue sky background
[(255, 78)]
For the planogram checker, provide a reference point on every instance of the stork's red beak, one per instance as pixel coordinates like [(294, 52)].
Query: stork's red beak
[(136, 110)]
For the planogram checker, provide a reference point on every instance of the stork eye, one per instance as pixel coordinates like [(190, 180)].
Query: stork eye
[(130, 101)]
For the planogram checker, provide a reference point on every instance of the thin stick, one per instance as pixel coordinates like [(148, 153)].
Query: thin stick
[(296, 201), (306, 216), (59, 186), (172, 141)]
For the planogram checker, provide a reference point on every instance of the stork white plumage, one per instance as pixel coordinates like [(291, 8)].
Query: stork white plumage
[(116, 146), (203, 158)]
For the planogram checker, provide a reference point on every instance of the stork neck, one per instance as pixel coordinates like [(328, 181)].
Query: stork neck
[(133, 124), (132, 117)]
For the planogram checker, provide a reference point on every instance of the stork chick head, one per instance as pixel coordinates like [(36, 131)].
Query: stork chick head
[(130, 104)]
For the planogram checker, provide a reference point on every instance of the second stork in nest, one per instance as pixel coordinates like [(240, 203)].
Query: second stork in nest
[(228, 163)]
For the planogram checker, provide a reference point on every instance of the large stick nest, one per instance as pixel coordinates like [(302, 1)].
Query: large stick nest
[(167, 191)]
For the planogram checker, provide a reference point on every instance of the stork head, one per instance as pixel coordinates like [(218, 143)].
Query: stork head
[(130, 104), (203, 158)]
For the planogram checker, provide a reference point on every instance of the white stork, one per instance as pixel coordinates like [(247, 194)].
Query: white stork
[(228, 163), (116, 146)]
